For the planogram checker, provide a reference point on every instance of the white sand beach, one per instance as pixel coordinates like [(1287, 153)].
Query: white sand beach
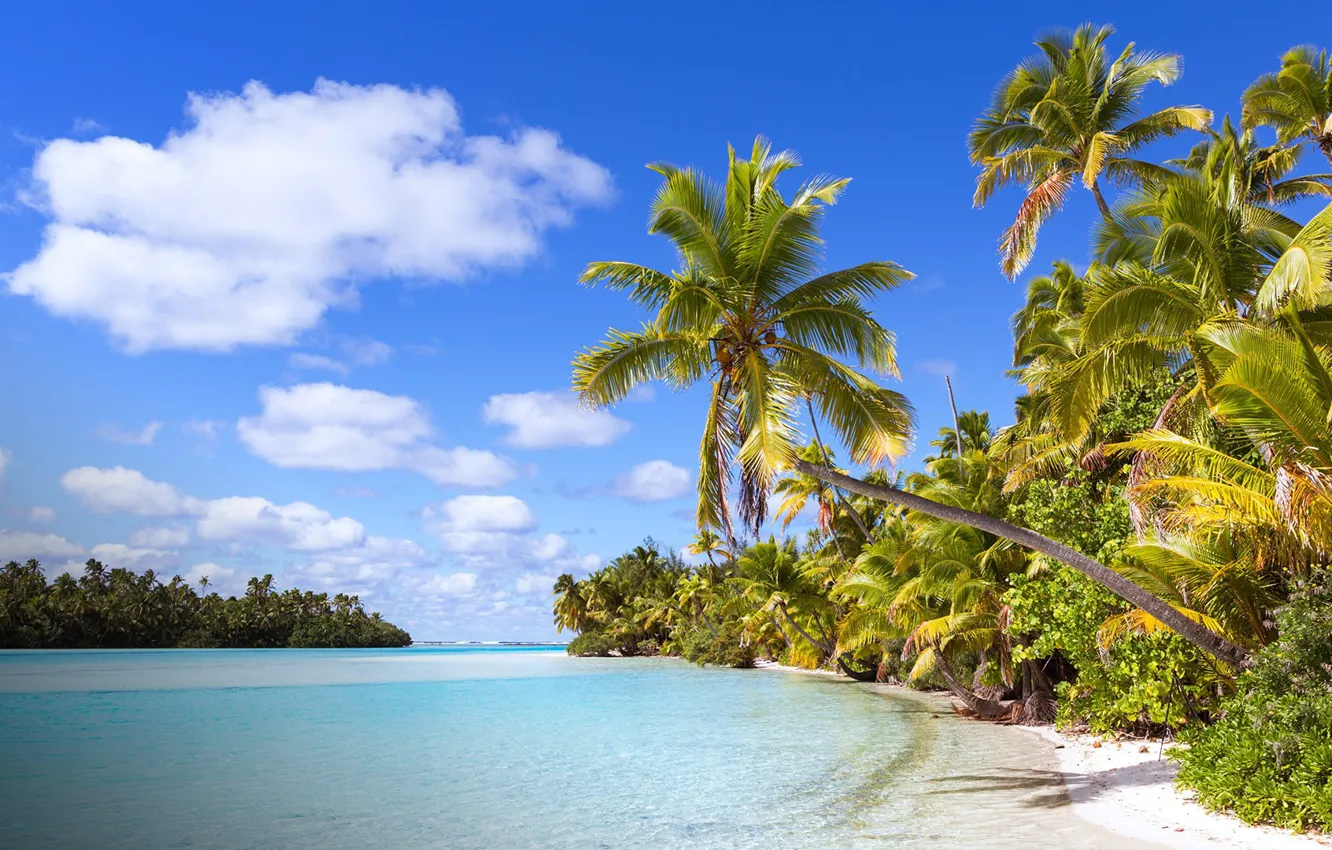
[(1120, 788)]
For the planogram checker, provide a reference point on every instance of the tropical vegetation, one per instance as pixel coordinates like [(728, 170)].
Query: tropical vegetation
[(118, 608), (1143, 549)]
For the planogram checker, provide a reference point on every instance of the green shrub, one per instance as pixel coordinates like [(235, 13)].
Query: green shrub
[(591, 644), (1269, 758), (723, 649), (1133, 685)]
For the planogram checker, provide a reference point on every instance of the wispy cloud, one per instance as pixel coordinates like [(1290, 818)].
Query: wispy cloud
[(142, 437)]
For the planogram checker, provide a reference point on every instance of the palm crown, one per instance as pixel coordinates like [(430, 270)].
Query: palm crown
[(1070, 112), (1295, 101), (748, 311)]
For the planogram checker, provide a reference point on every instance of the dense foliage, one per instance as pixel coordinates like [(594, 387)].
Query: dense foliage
[(122, 609), (1114, 558), (1269, 756)]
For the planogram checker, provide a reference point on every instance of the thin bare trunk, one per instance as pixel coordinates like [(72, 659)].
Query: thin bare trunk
[(1100, 201), (1195, 633), (1138, 468), (827, 461)]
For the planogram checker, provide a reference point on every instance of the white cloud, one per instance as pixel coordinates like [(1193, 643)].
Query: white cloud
[(156, 537), (454, 584), (938, 368), (5, 457), (247, 225), (529, 583), (653, 481), (545, 420), (299, 525), (301, 360), (127, 491), (22, 545), (143, 437), (483, 513), (327, 426), (138, 559), (366, 568), (41, 513)]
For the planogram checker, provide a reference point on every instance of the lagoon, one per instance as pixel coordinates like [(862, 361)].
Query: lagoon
[(493, 747)]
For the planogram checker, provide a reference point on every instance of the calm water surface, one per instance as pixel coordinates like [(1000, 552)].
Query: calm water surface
[(496, 749)]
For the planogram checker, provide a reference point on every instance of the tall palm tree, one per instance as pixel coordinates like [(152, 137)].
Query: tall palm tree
[(744, 251), (749, 311), (1295, 101), (570, 604), (709, 544), (1071, 113)]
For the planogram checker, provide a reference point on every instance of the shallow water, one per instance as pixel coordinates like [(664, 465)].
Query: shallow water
[(497, 749)]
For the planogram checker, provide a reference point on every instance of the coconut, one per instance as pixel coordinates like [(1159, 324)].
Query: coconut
[(770, 338)]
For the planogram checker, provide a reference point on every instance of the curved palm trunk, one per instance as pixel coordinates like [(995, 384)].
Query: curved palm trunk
[(820, 645), (978, 704), (1195, 633), (1100, 201)]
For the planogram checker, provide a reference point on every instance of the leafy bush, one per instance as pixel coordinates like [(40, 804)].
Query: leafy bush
[(1134, 684), (590, 644), (723, 649), (1269, 757)]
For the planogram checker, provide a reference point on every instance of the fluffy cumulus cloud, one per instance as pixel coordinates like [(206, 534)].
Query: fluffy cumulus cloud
[(249, 223), (127, 491), (22, 545), (541, 420), (298, 526), (499, 532), (328, 426), (653, 481)]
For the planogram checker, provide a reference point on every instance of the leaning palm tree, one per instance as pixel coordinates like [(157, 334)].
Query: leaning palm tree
[(747, 272), (748, 311), (1070, 113), (1295, 101), (571, 604)]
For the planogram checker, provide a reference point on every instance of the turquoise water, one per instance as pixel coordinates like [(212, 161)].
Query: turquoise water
[(497, 749)]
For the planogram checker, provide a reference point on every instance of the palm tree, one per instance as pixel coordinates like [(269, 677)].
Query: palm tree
[(1070, 113), (771, 578), (1295, 101), (748, 310), (709, 544), (717, 318), (570, 604)]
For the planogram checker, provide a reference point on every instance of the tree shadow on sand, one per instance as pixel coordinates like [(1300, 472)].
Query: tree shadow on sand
[(1049, 788)]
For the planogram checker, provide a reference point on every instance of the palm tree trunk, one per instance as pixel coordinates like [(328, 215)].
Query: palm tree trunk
[(1195, 633), (1100, 201), (818, 644), (981, 706), (855, 515), (1138, 468)]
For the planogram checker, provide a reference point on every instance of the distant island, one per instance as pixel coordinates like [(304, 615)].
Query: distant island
[(120, 609)]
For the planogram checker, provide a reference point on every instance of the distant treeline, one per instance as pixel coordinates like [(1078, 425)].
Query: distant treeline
[(117, 608)]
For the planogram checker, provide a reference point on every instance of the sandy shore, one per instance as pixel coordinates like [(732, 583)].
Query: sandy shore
[(1122, 789)]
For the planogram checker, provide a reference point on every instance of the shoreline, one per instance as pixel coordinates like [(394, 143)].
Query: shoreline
[(1119, 788)]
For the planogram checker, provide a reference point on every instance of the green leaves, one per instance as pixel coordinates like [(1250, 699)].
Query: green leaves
[(750, 312)]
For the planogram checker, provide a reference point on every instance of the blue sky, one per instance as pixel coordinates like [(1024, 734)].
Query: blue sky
[(254, 323)]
